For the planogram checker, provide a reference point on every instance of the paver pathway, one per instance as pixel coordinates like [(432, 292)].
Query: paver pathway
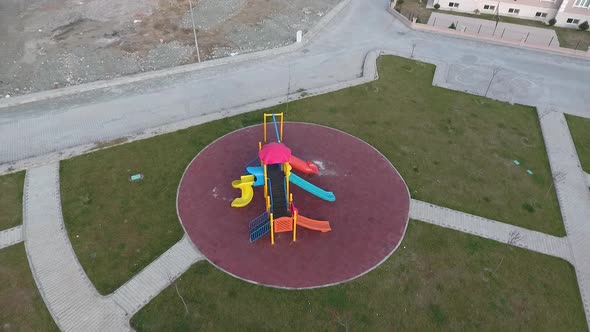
[(69, 295), (572, 193), (143, 287), (491, 229), (11, 236)]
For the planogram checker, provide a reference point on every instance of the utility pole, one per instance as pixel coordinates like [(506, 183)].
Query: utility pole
[(497, 18), (190, 4)]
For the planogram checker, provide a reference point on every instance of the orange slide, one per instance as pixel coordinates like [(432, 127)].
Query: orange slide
[(316, 225), (303, 166)]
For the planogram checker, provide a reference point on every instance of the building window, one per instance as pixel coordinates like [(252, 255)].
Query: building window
[(572, 21), (539, 14), (454, 4), (513, 11), (582, 3), (488, 7)]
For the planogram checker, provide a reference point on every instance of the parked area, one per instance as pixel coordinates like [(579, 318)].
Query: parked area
[(46, 45)]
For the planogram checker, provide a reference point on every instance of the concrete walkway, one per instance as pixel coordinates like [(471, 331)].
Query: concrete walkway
[(572, 193), (11, 236), (491, 229), (72, 300), (143, 287)]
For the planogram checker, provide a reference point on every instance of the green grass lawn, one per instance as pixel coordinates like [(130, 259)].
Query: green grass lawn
[(580, 131), (21, 306), (439, 279), (11, 199), (452, 148), (568, 38)]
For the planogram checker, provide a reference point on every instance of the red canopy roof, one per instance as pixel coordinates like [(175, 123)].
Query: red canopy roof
[(274, 153)]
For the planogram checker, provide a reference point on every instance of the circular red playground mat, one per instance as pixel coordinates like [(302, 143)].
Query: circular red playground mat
[(368, 218)]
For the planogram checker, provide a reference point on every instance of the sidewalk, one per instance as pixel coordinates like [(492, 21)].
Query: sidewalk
[(162, 272), (572, 194), (491, 229), (72, 300), (11, 236)]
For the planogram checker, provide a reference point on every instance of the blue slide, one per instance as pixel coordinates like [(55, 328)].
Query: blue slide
[(319, 192), (258, 173)]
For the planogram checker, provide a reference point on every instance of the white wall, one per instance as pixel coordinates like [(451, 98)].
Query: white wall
[(527, 12), (563, 16)]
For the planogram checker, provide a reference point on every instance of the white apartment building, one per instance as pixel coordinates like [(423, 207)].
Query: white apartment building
[(573, 12), (567, 13)]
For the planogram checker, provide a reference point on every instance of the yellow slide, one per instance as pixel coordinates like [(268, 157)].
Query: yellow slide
[(245, 184)]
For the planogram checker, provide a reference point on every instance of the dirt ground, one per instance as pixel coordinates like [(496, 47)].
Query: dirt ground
[(47, 44)]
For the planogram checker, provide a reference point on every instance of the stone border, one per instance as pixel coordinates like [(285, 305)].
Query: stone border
[(102, 84), (300, 288)]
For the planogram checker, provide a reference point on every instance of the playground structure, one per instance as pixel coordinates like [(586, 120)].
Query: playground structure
[(273, 169)]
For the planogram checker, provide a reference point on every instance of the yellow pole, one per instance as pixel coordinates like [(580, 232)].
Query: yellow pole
[(265, 183), (259, 146), (272, 230), (264, 127), (287, 169), (267, 203), (281, 127), (295, 226), (290, 198)]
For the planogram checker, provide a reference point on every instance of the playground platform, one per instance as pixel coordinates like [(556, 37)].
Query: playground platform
[(368, 219)]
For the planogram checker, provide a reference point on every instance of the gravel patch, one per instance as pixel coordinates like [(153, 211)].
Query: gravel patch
[(46, 45)]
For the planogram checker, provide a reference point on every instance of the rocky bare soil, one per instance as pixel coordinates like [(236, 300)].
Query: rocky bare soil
[(51, 44)]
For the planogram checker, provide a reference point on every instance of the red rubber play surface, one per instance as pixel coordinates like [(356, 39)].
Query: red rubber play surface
[(368, 218)]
